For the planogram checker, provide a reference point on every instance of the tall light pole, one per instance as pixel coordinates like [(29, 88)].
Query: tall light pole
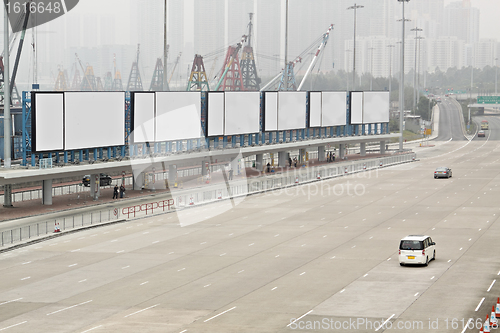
[(416, 29), (286, 47), (355, 7), (165, 50), (418, 67), (371, 68), (347, 72), (390, 68), (496, 76), (402, 80)]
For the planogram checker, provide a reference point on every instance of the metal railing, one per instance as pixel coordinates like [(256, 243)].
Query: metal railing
[(187, 198)]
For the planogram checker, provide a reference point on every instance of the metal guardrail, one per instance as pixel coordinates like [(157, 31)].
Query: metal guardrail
[(190, 198)]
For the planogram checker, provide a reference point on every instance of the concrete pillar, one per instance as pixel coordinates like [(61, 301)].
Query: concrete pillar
[(95, 188), (138, 181), (47, 192), (7, 196), (382, 147), (342, 151), (362, 149), (321, 154), (234, 166), (259, 162), (302, 155), (204, 167), (282, 162), (172, 173)]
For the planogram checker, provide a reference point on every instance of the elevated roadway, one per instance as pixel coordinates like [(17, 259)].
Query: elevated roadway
[(327, 255)]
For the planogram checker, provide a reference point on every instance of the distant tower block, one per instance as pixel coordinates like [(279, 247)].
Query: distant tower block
[(134, 79), (198, 78), (77, 80), (108, 81), (251, 81), (61, 84), (89, 82), (233, 78), (157, 80)]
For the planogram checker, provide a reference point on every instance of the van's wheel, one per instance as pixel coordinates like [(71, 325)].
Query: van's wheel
[(426, 261), (434, 256), (401, 264)]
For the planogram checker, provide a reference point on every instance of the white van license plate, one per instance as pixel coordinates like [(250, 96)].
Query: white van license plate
[(411, 257)]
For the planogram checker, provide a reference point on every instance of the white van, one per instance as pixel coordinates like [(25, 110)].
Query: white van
[(416, 249)]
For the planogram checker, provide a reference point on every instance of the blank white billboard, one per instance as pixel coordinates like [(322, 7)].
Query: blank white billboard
[(178, 116), (315, 109), (215, 122), (291, 110), (376, 107), (49, 127), (94, 119), (356, 107), (271, 111), (144, 117), (242, 112), (334, 108)]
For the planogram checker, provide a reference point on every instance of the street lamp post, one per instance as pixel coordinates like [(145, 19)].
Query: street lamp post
[(416, 29), (347, 72), (355, 7), (418, 68), (402, 80), (286, 48), (390, 68), (496, 76), (371, 68)]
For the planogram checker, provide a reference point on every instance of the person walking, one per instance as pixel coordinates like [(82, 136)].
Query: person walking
[(295, 161), (268, 167), (115, 192), (122, 191), (290, 162)]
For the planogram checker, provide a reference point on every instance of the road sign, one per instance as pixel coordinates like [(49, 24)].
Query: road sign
[(488, 99), (428, 131)]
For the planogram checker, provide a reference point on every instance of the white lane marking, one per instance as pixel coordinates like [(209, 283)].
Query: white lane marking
[(470, 239), (332, 257), (241, 271), (303, 245), (93, 328), (72, 265), (231, 234), (385, 322), (498, 273), (26, 278), (155, 242), (450, 260), (460, 249), (14, 300), (203, 243), (274, 288), (299, 318), (302, 273), (432, 278), (466, 325), (388, 259), (324, 236), (145, 233), (479, 305), (183, 331), (276, 235), (181, 269), (1, 329), (141, 311), (125, 267), (82, 280), (69, 307), (415, 294), (121, 251), (114, 240), (365, 275), (342, 291), (491, 285), (219, 314), (25, 263), (251, 244), (353, 247), (144, 283), (171, 253), (207, 285), (222, 255)]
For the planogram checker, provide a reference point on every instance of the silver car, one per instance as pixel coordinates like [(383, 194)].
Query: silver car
[(442, 172)]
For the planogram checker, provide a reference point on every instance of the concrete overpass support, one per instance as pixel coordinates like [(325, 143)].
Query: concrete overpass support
[(234, 166), (172, 173), (47, 192), (282, 158), (382, 147), (203, 167), (95, 188), (362, 149), (138, 181), (259, 162), (321, 154), (7, 196), (342, 151)]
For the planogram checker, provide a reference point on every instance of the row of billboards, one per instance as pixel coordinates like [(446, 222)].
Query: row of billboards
[(82, 120)]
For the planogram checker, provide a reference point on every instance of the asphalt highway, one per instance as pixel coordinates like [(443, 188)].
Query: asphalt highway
[(317, 258)]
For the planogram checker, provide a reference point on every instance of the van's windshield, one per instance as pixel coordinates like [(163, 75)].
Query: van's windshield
[(411, 245)]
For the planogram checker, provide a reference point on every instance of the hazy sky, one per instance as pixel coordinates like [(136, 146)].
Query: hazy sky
[(489, 10)]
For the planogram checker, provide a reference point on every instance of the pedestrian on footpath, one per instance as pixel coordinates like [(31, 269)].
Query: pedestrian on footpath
[(268, 167), (115, 192), (290, 162), (122, 191), (295, 161)]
